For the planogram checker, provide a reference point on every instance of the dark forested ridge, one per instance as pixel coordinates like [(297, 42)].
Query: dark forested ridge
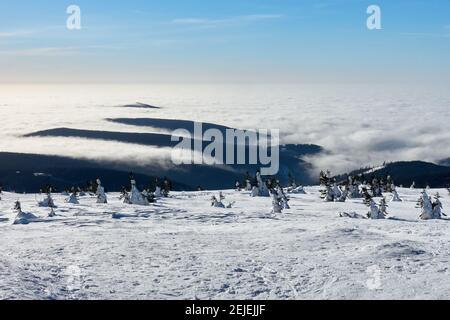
[(29, 172), (406, 172)]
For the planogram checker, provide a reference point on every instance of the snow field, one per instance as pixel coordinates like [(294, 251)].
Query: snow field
[(182, 248)]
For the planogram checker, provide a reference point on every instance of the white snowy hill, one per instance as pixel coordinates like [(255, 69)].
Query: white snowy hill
[(182, 248)]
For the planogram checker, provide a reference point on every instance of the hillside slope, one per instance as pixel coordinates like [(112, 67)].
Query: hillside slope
[(182, 248), (405, 172)]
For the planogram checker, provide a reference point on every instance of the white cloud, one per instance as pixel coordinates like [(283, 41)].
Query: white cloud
[(14, 34), (30, 32), (54, 51), (48, 51), (359, 124), (191, 21), (425, 34), (226, 21)]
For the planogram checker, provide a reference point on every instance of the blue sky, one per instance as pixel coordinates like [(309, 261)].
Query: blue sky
[(232, 41)]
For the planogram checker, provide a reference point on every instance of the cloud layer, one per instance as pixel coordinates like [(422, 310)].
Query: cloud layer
[(359, 124), (229, 21)]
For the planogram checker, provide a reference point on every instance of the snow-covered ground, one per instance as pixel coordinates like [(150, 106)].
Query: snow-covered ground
[(182, 248)]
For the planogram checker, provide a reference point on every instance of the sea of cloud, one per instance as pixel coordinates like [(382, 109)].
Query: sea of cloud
[(359, 124)]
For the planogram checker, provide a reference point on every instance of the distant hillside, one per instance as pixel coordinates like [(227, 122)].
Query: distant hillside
[(191, 176), (29, 172), (445, 162), (404, 173)]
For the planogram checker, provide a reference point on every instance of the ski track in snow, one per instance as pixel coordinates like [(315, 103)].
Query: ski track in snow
[(182, 248)]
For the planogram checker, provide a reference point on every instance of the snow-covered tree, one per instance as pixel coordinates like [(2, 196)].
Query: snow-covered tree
[(277, 205), (437, 207), (73, 199), (336, 191), (375, 212), (91, 187), (382, 186), (125, 196), (353, 188), (216, 203), (353, 192), (230, 205), (395, 196), (52, 213), (292, 182), (17, 206), (330, 190), (167, 187), (248, 182), (342, 197), (383, 206), (283, 198), (375, 188), (248, 185), (326, 191), (255, 192), (325, 178), (427, 207), (150, 196), (389, 184), (328, 194), (367, 197), (262, 188), (158, 192), (413, 185), (22, 217), (100, 193), (237, 186), (136, 196), (48, 200)]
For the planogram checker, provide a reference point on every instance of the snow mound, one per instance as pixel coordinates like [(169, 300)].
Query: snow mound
[(25, 218), (47, 203), (298, 190), (400, 249)]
